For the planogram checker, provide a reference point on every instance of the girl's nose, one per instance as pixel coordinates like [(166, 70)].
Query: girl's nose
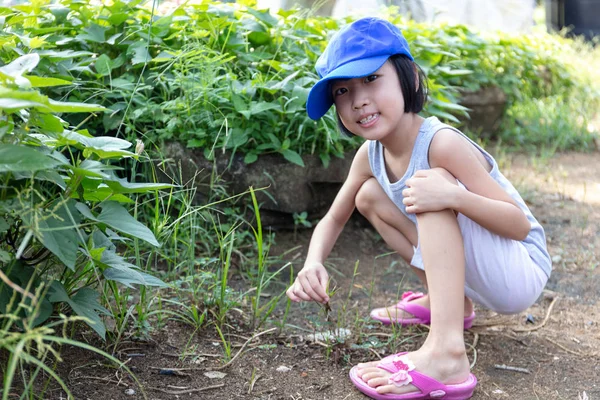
[(360, 100)]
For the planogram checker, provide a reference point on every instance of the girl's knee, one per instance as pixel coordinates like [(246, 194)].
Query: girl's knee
[(446, 174), (368, 196)]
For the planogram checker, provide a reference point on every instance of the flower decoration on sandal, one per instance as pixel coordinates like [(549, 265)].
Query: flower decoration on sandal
[(403, 365)]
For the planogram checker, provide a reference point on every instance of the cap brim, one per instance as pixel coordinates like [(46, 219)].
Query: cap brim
[(320, 97)]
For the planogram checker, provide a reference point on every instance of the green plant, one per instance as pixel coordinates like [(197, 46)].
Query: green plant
[(61, 203), (31, 348), (263, 277)]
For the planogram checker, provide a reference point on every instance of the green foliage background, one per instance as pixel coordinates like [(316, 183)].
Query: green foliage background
[(80, 83), (229, 76)]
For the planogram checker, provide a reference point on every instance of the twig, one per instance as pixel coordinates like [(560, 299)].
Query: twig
[(243, 347), (96, 378), (509, 368), (16, 287), (374, 352), (569, 350), (188, 390), (472, 346), (475, 339), (180, 369), (535, 328)]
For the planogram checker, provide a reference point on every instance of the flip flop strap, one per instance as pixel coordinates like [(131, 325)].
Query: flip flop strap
[(427, 385), (418, 311)]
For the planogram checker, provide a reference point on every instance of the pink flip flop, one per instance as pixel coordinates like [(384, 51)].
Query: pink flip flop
[(403, 373), (421, 314)]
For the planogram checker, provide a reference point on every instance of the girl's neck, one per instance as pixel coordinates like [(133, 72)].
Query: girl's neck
[(402, 140)]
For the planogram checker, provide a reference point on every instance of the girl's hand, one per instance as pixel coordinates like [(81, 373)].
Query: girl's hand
[(427, 191), (310, 284)]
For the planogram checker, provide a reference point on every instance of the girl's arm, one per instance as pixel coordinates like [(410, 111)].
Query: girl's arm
[(485, 201), (311, 282)]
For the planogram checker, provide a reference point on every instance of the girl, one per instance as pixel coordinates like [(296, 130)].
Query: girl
[(435, 197)]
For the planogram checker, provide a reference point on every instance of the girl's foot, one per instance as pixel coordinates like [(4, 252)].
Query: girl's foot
[(419, 304), (448, 368)]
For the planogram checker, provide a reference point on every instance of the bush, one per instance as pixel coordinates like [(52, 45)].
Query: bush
[(223, 76)]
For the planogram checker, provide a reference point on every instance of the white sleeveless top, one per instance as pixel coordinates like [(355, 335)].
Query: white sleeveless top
[(535, 242)]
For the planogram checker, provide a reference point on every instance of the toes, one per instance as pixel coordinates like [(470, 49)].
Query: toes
[(371, 364), (385, 388), (377, 382)]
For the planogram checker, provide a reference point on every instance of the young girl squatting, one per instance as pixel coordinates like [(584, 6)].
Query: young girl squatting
[(436, 198)]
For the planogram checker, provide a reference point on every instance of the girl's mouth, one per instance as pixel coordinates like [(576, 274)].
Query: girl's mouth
[(369, 120)]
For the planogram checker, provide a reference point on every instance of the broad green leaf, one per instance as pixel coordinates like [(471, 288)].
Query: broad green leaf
[(15, 104), (103, 146), (123, 186), (122, 84), (103, 154), (21, 65), (60, 106), (44, 175), (47, 122), (4, 225), (250, 158), (54, 55), (236, 138), (21, 158), (85, 211), (93, 168), (258, 107), (259, 38), (280, 85), (51, 176), (238, 103), (163, 56), (129, 277), (117, 217), (5, 257), (139, 53), (126, 273), (294, 157), (59, 234), (118, 18), (94, 33), (264, 16), (103, 65), (38, 81), (274, 140), (84, 303), (103, 193)]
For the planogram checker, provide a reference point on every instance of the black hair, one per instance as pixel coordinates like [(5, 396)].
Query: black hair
[(414, 97)]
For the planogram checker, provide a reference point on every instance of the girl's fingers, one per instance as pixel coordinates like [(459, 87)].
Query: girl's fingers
[(290, 293), (307, 288), (301, 293), (318, 287)]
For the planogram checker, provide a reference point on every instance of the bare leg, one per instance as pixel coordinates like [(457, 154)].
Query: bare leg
[(443, 355), (398, 232)]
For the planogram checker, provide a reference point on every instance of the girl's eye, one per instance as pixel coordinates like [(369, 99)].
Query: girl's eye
[(339, 91), (371, 78)]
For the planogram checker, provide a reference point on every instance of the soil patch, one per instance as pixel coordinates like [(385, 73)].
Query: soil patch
[(556, 353)]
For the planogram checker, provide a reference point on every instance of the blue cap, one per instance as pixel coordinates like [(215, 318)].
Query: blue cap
[(357, 50)]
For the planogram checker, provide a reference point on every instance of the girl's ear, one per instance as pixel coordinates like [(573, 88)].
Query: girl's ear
[(416, 71)]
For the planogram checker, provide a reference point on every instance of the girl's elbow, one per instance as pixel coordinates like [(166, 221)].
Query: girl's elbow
[(523, 230)]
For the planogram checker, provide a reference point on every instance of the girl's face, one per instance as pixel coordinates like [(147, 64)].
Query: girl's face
[(372, 106)]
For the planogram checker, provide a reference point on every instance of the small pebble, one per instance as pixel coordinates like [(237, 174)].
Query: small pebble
[(283, 368), (129, 392), (215, 375), (556, 259)]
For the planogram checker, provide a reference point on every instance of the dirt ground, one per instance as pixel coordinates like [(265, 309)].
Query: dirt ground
[(556, 355)]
